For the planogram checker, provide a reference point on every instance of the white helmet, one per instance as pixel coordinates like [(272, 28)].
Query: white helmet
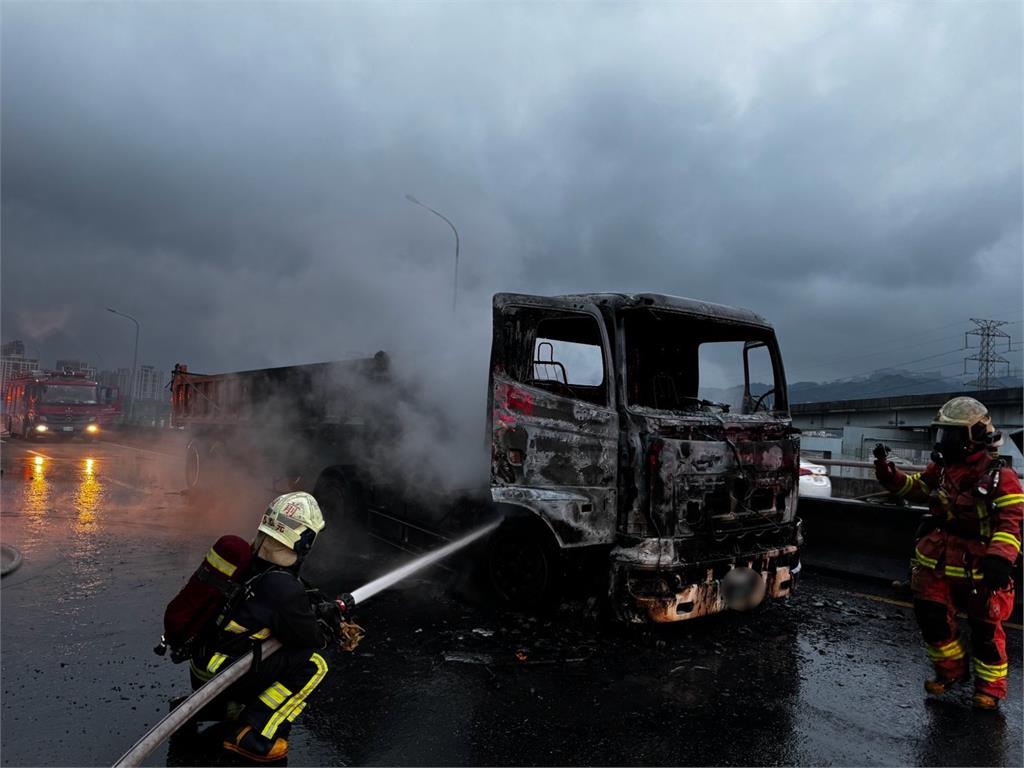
[(293, 519)]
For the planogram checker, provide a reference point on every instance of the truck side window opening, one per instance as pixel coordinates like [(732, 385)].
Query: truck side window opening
[(562, 354), (568, 362)]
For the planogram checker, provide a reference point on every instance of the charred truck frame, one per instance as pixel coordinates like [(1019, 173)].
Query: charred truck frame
[(647, 433)]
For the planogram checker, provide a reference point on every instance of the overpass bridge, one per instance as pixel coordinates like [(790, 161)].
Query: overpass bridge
[(852, 427)]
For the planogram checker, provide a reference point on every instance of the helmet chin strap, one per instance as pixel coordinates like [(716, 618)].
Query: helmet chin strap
[(273, 551)]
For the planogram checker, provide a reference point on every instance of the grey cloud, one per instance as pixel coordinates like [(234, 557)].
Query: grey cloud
[(234, 174)]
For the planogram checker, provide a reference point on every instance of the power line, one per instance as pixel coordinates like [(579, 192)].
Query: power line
[(882, 351), (903, 364), (908, 385), (920, 359)]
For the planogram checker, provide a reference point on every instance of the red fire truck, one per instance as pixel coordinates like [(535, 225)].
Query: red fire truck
[(44, 404)]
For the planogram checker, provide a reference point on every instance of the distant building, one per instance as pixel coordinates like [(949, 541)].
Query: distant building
[(118, 378), (14, 348), (14, 363), (149, 384)]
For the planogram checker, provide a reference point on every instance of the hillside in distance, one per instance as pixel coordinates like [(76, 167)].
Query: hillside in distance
[(880, 384)]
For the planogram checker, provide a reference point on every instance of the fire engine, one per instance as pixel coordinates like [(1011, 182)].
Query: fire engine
[(44, 404)]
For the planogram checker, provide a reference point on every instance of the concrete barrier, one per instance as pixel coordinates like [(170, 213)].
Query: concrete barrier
[(865, 540)]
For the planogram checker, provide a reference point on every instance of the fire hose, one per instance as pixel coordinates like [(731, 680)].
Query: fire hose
[(199, 699), (207, 692)]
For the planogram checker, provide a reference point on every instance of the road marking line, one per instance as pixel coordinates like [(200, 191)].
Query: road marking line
[(880, 599), (123, 484), (905, 604)]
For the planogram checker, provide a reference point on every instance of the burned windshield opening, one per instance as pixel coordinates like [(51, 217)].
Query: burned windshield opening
[(68, 394), (677, 362)]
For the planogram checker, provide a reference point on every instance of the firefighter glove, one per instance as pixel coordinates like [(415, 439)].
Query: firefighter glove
[(329, 612), (995, 571), (349, 635), (885, 470)]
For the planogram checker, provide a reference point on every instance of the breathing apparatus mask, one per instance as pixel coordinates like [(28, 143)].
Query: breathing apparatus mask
[(952, 445)]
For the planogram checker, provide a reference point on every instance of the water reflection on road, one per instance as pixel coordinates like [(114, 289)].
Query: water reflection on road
[(36, 497)]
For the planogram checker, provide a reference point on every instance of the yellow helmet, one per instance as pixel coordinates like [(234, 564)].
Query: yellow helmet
[(294, 519), (964, 426)]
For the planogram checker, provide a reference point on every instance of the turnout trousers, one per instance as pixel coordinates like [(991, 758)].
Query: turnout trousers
[(271, 697), (937, 599)]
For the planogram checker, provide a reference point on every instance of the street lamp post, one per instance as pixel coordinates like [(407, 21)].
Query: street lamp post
[(455, 288), (135, 359)]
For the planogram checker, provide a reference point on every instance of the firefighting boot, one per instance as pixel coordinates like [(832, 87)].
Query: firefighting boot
[(253, 746), (985, 701), (939, 685)]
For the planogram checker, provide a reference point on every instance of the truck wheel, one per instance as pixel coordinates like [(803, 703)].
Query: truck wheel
[(342, 550), (524, 565), (193, 464), (205, 464), (339, 503)]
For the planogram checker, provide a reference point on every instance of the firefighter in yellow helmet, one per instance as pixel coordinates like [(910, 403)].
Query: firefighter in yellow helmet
[(964, 560), (276, 603)]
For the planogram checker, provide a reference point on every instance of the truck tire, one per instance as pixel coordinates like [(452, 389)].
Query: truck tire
[(206, 464), (524, 565), (340, 503), (193, 464), (342, 550)]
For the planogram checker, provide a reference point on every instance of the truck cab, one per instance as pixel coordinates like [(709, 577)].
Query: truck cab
[(654, 431)]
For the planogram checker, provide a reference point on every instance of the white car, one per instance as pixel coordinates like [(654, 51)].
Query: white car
[(814, 480)]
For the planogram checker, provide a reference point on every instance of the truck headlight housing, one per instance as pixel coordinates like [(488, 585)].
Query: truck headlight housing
[(41, 428), (92, 429)]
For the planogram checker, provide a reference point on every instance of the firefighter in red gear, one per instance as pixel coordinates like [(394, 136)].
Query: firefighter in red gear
[(967, 547)]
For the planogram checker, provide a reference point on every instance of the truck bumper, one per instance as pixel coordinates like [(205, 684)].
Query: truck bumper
[(649, 592)]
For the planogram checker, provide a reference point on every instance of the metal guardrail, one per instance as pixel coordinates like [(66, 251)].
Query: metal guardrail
[(863, 464), (870, 465)]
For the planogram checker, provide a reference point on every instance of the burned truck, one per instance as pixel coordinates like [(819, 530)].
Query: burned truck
[(645, 439)]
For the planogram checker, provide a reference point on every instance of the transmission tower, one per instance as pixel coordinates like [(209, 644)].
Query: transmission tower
[(988, 359)]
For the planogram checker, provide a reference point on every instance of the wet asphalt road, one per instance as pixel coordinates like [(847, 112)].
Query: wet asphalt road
[(831, 678)]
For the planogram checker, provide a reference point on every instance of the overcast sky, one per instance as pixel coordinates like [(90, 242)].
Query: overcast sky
[(234, 175)]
